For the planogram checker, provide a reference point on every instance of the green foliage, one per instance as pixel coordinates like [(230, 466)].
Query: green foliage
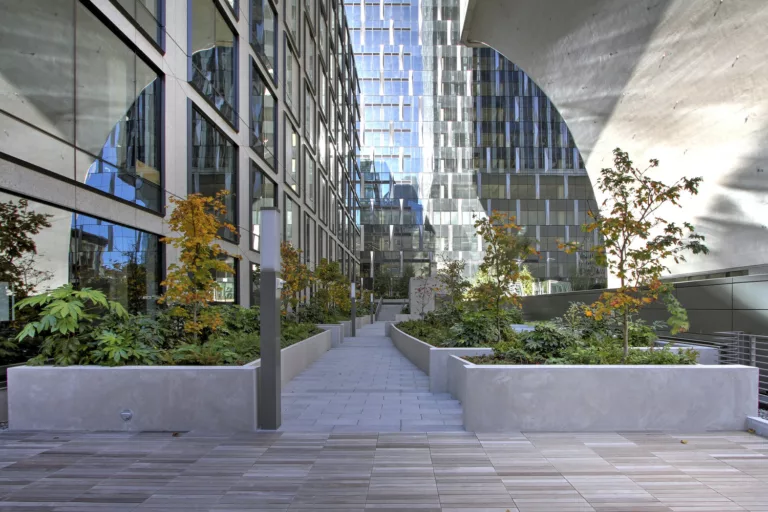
[(65, 320), (295, 274), (451, 275), (114, 349), (637, 243), (612, 353), (505, 250), (333, 287), (425, 331), (479, 328), (211, 353), (548, 340), (291, 332)]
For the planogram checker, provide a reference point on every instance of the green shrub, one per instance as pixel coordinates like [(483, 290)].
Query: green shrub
[(477, 329), (548, 340), (211, 353), (66, 322), (291, 333), (428, 333), (125, 348)]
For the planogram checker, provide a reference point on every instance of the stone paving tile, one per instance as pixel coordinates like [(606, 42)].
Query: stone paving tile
[(366, 384)]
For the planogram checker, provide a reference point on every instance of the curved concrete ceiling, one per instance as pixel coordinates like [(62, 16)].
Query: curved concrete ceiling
[(684, 81)]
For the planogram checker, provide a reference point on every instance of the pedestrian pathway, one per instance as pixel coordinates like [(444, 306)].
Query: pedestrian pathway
[(366, 385)]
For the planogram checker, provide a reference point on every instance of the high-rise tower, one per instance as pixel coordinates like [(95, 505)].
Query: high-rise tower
[(449, 133)]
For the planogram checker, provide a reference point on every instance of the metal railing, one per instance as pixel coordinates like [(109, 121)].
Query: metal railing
[(735, 347)]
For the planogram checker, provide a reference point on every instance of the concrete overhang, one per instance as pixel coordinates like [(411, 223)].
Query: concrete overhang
[(684, 81)]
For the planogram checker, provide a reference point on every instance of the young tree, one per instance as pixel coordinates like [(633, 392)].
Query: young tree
[(295, 274), (18, 249), (190, 285), (333, 287), (638, 242), (452, 277), (505, 251)]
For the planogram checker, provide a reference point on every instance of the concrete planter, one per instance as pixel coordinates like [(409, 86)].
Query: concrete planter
[(161, 398), (431, 360), (542, 398), (337, 333)]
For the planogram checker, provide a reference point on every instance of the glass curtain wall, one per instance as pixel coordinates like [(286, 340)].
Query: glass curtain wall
[(214, 57), (90, 102), (89, 252), (448, 134), (213, 167)]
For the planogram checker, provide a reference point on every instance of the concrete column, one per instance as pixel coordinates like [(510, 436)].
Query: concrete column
[(269, 374)]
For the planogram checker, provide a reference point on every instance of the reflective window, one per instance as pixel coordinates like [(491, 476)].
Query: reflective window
[(322, 91), (322, 199), (119, 119), (89, 252), (264, 33), (226, 292), (292, 18), (309, 117), (291, 157), (309, 180), (213, 57), (263, 195), (91, 79), (146, 14), (291, 228), (309, 54), (322, 38), (292, 81), (310, 10), (213, 167), (263, 118)]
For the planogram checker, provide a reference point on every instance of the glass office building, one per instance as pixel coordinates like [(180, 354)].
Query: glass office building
[(449, 133), (109, 109)]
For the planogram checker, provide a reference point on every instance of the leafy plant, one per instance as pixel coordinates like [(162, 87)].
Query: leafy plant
[(478, 328), (505, 250), (548, 340), (332, 288), (114, 349), (191, 284), (291, 332), (65, 320), (215, 352), (451, 275), (638, 242)]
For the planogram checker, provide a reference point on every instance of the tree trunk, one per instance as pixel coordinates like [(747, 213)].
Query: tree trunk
[(626, 335)]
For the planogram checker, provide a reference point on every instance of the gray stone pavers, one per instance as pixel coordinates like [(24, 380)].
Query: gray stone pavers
[(366, 385)]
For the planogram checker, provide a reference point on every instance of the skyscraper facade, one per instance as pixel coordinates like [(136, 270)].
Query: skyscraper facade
[(110, 109), (449, 133)]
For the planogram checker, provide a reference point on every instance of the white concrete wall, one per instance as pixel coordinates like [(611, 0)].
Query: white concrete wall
[(554, 398), (337, 333), (163, 398), (679, 80), (432, 360), (415, 350), (166, 398)]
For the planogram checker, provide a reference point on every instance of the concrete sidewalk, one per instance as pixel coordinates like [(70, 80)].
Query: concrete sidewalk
[(367, 385)]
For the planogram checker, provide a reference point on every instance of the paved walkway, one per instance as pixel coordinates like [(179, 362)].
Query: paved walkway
[(367, 385), (318, 465)]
